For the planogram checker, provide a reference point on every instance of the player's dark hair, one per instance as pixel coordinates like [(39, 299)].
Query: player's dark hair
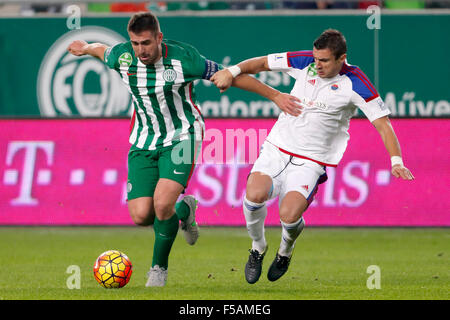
[(143, 21), (333, 40)]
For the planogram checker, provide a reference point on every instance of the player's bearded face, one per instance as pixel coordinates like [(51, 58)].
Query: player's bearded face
[(326, 63), (146, 46)]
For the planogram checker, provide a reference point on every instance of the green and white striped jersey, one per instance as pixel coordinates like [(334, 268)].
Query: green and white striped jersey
[(163, 93)]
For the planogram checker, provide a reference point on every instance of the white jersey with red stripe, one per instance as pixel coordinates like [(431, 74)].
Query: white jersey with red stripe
[(320, 133)]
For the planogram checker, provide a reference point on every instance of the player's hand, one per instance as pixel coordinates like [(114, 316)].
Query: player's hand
[(289, 104), (77, 47), (400, 171), (222, 79)]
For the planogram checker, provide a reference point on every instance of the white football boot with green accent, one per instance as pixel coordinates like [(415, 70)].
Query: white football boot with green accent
[(157, 277), (190, 226)]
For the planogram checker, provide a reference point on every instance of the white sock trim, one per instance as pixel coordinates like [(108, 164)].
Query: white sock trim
[(253, 206), (294, 225), (289, 234)]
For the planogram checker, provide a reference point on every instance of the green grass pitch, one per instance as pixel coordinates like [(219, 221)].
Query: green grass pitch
[(328, 263)]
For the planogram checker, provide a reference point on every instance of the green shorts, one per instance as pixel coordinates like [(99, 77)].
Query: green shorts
[(146, 167)]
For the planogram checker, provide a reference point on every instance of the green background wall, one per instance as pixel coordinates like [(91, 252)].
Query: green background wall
[(412, 75)]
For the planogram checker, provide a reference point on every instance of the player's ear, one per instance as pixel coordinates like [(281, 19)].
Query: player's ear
[(343, 57), (159, 37)]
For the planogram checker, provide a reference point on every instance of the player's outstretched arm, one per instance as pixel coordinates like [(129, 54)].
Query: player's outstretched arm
[(81, 48), (284, 101), (384, 127), (223, 79), (237, 76)]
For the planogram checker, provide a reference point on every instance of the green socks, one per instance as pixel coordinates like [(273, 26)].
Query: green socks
[(165, 234), (182, 210)]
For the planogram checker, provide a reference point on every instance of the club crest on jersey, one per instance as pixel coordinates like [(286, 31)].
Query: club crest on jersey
[(169, 75), (334, 87), (125, 59), (312, 70), (312, 81)]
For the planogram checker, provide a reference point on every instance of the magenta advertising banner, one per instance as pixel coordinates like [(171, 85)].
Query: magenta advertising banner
[(73, 172)]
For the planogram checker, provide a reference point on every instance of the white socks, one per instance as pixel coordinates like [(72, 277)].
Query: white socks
[(290, 233), (255, 215)]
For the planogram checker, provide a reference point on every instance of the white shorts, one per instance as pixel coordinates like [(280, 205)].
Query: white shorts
[(289, 173)]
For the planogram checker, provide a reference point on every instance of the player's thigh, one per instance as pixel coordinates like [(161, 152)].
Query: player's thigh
[(143, 174), (292, 207), (299, 187), (142, 211), (267, 174), (177, 162)]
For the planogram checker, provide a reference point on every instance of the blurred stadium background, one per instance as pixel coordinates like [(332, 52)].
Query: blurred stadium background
[(64, 122)]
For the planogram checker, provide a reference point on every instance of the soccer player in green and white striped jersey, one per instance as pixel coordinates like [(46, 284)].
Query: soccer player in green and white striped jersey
[(166, 123)]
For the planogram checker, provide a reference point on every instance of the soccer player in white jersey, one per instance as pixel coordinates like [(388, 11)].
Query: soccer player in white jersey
[(294, 157), (167, 126)]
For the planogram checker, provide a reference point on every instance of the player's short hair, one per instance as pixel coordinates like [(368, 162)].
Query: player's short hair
[(143, 21), (333, 40)]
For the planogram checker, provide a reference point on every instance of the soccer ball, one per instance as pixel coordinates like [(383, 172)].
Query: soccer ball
[(112, 269)]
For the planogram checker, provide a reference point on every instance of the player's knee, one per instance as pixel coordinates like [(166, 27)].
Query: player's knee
[(164, 208), (258, 188), (256, 195), (142, 220), (142, 216), (289, 215)]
